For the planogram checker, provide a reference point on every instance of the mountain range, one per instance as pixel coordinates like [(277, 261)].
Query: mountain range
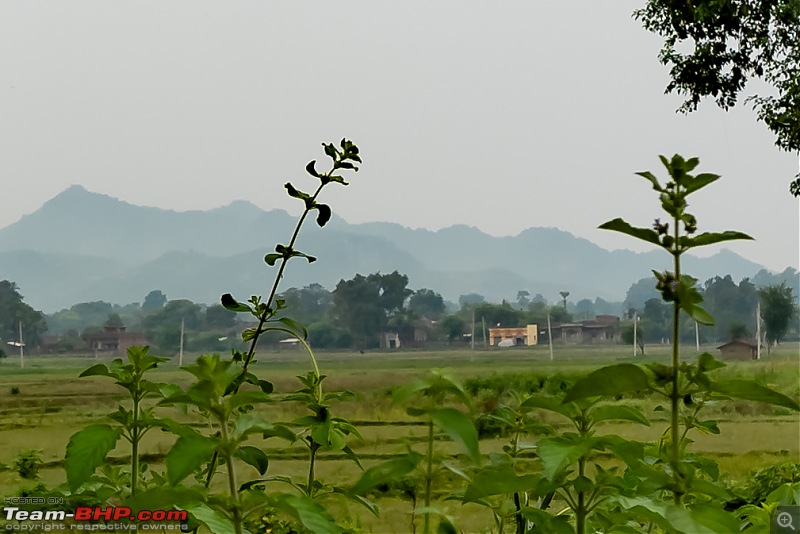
[(82, 246)]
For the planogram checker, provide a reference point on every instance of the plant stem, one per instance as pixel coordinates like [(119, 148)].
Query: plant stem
[(232, 485), (264, 316), (314, 449), (580, 513), (135, 437), (520, 521), (675, 395), (428, 478)]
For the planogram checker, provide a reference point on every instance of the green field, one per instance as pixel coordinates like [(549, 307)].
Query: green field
[(49, 403)]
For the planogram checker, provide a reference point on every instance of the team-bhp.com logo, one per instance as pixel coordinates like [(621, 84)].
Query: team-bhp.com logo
[(119, 515)]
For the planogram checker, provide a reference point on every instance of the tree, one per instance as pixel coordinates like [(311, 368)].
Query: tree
[(219, 319), (366, 304), (427, 303), (470, 299), (154, 301), (713, 48), (499, 314), (453, 327), (14, 311), (113, 320), (739, 331), (309, 304), (777, 310), (559, 314), (584, 308), (729, 303), (163, 327), (655, 320), (640, 292), (393, 290)]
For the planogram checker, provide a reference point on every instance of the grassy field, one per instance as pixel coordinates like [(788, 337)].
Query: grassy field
[(43, 404)]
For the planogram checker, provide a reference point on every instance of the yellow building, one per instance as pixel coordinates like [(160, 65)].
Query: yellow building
[(514, 337)]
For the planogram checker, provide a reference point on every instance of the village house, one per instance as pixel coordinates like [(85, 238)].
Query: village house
[(514, 337), (113, 340), (738, 349), (601, 329)]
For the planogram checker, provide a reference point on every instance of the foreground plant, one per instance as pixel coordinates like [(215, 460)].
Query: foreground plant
[(688, 478), (227, 395), (88, 448)]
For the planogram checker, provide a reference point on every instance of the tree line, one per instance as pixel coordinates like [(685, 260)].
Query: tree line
[(359, 312)]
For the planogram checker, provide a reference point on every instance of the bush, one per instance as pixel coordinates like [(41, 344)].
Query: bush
[(28, 463)]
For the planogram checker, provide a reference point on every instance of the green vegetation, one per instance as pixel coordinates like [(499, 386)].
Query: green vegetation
[(714, 48), (569, 448), (753, 436)]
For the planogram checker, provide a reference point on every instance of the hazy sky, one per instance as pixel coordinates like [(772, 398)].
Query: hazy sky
[(497, 115)]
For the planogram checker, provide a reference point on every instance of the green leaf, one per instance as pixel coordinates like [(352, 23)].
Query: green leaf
[(709, 238), (557, 454), (295, 193), (213, 520), (299, 329), (245, 398), (96, 370), (253, 456), (272, 258), (311, 170), (446, 526), (331, 151), (645, 234), (545, 522), (699, 485), (308, 512), (707, 427), (609, 381), (700, 181), (707, 362), (499, 480), (653, 180), (698, 314), (703, 519), (323, 215), (625, 413), (366, 503), (405, 392), (187, 455), (86, 451), (272, 478), (749, 390), (552, 404), (388, 471), (230, 303), (460, 428), (652, 509)]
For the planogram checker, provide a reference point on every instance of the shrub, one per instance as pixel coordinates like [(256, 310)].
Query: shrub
[(28, 463)]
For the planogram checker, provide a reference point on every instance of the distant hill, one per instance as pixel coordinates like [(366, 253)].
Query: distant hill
[(82, 246)]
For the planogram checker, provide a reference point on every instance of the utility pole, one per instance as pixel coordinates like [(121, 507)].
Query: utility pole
[(180, 352), (550, 337), (483, 325), (758, 330), (696, 337), (472, 336), (635, 328), (21, 348)]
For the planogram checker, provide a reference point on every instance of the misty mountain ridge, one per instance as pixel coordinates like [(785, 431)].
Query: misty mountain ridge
[(82, 246)]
